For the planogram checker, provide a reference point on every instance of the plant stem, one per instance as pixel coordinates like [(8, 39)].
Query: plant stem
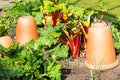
[(85, 34), (63, 41), (102, 16)]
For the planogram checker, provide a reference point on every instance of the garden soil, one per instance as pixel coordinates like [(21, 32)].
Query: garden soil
[(74, 69)]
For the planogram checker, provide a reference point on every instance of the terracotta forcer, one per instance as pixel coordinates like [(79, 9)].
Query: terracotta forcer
[(26, 29), (6, 41), (100, 48)]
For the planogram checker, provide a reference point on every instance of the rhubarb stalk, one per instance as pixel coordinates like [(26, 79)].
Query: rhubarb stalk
[(73, 43)]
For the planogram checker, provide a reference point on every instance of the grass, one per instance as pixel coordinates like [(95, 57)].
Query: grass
[(113, 6)]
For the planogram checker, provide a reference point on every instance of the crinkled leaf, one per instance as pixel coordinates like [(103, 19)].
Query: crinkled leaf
[(52, 70), (59, 52), (45, 36), (39, 17)]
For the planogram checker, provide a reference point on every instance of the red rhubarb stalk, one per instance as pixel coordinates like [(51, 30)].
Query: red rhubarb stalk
[(101, 18), (74, 43), (62, 19), (55, 17), (77, 46), (63, 41), (71, 41)]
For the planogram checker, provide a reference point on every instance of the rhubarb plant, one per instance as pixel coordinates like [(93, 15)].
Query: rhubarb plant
[(75, 24), (28, 63)]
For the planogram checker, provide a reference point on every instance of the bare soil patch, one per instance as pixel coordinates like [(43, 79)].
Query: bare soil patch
[(76, 70)]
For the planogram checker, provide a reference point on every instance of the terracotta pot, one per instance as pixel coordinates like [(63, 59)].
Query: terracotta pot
[(26, 30), (100, 48), (6, 41)]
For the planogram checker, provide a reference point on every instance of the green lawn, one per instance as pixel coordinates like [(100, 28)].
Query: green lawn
[(113, 6)]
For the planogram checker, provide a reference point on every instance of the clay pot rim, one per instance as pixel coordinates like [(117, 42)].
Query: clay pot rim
[(102, 67)]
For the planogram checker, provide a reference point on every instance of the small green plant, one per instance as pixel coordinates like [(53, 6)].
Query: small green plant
[(94, 74)]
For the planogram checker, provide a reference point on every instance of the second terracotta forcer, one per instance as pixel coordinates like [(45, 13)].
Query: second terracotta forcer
[(100, 48)]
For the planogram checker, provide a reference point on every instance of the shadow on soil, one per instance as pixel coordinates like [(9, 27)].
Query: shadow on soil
[(65, 72)]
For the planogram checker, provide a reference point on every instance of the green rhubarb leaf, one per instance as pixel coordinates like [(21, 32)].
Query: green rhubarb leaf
[(52, 70), (59, 52), (9, 71), (49, 6), (78, 11), (55, 34), (38, 17), (45, 36), (11, 52), (116, 36)]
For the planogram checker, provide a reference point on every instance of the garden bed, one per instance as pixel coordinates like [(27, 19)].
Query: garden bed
[(74, 69)]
